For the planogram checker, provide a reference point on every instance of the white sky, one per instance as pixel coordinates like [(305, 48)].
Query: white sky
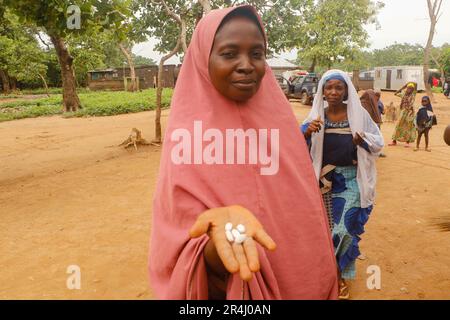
[(400, 20)]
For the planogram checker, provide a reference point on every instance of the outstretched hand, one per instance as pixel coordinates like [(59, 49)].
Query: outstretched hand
[(235, 257), (313, 127)]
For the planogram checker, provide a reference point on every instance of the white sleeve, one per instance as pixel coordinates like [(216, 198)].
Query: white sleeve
[(373, 135)]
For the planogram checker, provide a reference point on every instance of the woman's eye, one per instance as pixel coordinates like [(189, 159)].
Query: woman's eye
[(257, 55), (228, 54)]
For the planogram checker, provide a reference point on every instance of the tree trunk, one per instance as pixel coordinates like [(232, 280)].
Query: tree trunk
[(433, 11), (5, 81), (313, 65), (181, 20), (206, 5), (159, 90), (426, 70), (129, 56), (71, 102), (442, 76), (355, 79), (13, 83), (183, 34), (181, 42), (45, 84)]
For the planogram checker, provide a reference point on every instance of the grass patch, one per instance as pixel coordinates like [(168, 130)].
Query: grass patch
[(50, 101), (38, 91), (98, 103), (437, 90), (28, 112)]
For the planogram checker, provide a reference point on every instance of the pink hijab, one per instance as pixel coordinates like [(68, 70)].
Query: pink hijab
[(288, 204)]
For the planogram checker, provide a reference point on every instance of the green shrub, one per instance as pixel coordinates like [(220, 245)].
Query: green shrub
[(98, 103), (437, 90)]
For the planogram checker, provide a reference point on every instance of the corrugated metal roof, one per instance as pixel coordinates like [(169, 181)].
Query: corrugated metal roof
[(277, 62), (103, 70)]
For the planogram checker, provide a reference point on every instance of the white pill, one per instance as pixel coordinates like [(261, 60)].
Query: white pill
[(240, 239), (235, 233), (228, 226), (229, 236), (240, 228)]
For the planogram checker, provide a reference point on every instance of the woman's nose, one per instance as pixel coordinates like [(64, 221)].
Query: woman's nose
[(245, 66), (334, 93)]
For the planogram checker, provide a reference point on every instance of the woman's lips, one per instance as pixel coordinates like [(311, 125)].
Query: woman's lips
[(244, 84)]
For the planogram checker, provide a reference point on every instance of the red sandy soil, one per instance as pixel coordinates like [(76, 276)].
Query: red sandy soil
[(69, 195)]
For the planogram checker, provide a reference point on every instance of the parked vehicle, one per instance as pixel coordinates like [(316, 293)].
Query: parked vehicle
[(304, 88), (284, 84)]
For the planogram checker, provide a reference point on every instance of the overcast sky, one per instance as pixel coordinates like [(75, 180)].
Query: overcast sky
[(400, 21)]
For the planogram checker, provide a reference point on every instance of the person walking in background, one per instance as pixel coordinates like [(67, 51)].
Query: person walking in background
[(435, 82), (390, 113), (424, 122), (382, 112), (380, 103), (405, 130), (371, 102), (447, 88), (344, 147)]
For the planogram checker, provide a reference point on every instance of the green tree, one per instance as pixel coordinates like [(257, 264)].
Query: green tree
[(59, 19), (143, 61), (441, 59), (397, 54), (445, 60), (135, 32), (88, 54), (6, 52), (334, 30), (21, 57), (172, 23)]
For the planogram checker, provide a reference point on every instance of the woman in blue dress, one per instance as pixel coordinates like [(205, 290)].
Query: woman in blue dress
[(344, 147)]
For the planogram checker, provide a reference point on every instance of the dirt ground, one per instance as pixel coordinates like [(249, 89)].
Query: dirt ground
[(70, 196)]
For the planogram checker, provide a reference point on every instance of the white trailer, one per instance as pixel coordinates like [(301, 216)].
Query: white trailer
[(393, 78)]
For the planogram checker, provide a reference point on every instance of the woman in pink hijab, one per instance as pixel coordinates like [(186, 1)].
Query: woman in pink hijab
[(237, 212)]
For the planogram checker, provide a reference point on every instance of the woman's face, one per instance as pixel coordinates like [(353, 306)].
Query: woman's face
[(335, 92), (237, 61), (409, 90)]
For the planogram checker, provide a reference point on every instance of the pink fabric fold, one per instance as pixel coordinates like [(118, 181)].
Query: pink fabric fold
[(288, 204)]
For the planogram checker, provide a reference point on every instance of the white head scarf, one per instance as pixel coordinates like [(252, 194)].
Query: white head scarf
[(359, 121)]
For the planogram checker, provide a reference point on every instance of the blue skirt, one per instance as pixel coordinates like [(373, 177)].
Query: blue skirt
[(348, 219)]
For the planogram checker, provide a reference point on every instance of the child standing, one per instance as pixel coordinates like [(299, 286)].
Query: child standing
[(424, 122)]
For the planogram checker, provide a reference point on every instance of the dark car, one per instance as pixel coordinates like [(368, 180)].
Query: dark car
[(304, 88), (283, 83)]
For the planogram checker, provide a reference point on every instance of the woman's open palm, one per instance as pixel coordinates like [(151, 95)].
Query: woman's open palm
[(235, 257)]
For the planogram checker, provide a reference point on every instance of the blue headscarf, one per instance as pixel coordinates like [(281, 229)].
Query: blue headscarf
[(335, 76)]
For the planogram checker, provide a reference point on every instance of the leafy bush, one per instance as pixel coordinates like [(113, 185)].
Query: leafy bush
[(98, 103)]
